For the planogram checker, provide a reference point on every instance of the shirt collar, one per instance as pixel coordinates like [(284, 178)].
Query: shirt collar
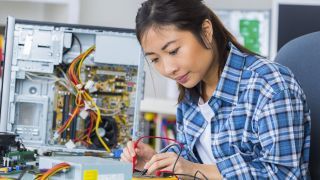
[(229, 82)]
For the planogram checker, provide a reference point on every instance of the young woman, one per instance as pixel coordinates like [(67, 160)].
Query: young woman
[(239, 116)]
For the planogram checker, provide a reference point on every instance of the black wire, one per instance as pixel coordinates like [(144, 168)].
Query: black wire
[(196, 178), (165, 149), (68, 49), (175, 163), (180, 150), (195, 175), (74, 37), (21, 143), (77, 39), (144, 171)]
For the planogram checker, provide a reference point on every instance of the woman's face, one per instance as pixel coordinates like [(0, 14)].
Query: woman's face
[(177, 55)]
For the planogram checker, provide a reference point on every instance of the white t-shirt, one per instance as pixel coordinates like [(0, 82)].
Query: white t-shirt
[(204, 144)]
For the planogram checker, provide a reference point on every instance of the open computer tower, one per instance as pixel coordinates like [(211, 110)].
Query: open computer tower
[(58, 79)]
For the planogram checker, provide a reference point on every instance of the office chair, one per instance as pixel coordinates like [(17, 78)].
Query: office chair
[(302, 56)]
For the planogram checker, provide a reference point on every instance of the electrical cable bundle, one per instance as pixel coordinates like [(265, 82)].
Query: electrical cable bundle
[(55, 169), (85, 136), (83, 101)]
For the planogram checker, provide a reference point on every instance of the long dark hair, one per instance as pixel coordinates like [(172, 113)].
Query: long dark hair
[(187, 15)]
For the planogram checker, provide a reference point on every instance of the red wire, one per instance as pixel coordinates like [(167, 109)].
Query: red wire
[(71, 69), (75, 111), (92, 118), (89, 129)]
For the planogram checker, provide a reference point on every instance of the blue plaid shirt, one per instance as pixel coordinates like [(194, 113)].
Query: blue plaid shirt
[(261, 123)]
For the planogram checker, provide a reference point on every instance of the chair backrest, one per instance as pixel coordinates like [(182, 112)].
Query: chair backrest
[(302, 56)]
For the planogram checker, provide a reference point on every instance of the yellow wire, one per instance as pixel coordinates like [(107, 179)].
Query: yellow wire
[(83, 58), (37, 176), (88, 97), (54, 172)]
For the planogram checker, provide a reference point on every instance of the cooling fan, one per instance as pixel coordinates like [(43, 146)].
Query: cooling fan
[(108, 131)]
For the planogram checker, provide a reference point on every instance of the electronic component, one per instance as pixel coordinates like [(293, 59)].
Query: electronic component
[(86, 167), (7, 139), (15, 158), (71, 88)]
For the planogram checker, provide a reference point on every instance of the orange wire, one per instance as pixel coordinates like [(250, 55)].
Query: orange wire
[(54, 170), (68, 122)]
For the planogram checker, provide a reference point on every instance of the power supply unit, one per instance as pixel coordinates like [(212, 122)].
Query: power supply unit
[(88, 168)]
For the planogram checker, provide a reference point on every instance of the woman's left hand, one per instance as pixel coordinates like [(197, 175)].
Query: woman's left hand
[(165, 161)]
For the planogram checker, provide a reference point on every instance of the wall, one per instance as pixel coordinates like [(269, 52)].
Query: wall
[(56, 12), (121, 13), (20, 10)]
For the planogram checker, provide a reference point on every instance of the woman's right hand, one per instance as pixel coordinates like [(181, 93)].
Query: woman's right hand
[(143, 152)]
